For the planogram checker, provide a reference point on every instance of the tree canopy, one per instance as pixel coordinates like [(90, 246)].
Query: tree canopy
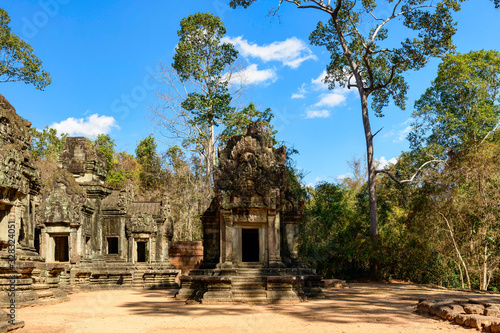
[(371, 62), (197, 98), (462, 105), (18, 61)]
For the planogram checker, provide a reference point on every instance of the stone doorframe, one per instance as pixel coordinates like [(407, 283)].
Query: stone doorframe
[(238, 244), (149, 248)]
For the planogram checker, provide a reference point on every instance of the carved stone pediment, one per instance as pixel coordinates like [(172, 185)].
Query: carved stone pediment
[(63, 204), (250, 168), (141, 223)]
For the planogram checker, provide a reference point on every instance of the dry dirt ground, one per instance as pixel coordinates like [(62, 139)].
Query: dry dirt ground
[(368, 308)]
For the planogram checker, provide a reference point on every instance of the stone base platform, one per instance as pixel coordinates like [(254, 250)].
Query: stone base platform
[(39, 282), (250, 285)]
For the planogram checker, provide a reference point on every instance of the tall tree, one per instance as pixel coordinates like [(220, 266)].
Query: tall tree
[(236, 123), (150, 161), (106, 146), (18, 63), (461, 108), (370, 62), (46, 143), (197, 94)]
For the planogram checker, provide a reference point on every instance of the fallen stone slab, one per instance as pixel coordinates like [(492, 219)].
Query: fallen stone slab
[(492, 311), (479, 321), (474, 308), (333, 284)]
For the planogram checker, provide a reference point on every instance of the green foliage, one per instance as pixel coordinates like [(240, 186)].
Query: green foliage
[(18, 61), (189, 193), (333, 237), (46, 143), (462, 105), (126, 170), (243, 3), (237, 122), (200, 56), (106, 146), (150, 161), (381, 68)]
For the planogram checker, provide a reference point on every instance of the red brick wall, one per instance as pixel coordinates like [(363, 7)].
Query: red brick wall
[(186, 255)]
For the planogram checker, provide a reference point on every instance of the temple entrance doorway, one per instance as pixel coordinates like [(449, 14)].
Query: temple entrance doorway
[(250, 245), (38, 233), (61, 248), (142, 252)]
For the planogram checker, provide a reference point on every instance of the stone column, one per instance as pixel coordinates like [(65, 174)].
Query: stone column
[(73, 247), (227, 242), (271, 241)]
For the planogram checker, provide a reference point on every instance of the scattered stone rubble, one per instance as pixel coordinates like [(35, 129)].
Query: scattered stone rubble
[(466, 312)]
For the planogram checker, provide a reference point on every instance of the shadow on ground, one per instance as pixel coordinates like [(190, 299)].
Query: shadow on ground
[(361, 303)]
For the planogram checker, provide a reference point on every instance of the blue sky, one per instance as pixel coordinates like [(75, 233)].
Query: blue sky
[(100, 55)]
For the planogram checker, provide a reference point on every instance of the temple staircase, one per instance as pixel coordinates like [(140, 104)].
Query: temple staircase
[(249, 286)]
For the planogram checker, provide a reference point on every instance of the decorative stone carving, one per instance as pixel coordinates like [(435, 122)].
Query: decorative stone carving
[(64, 202), (80, 159), (17, 171), (249, 222), (141, 223)]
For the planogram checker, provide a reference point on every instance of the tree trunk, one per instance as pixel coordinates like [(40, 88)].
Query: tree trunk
[(450, 229), (484, 282), (211, 148), (462, 285), (372, 190)]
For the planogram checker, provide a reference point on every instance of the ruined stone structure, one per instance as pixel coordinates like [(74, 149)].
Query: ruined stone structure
[(79, 233), (250, 230)]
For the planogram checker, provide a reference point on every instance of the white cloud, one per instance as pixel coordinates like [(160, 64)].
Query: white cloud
[(383, 162), (252, 75), (402, 134), (291, 52), (398, 132), (91, 126), (331, 99), (298, 96), (317, 113), (318, 83)]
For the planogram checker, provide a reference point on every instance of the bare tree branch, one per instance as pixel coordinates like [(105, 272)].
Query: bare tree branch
[(414, 175)]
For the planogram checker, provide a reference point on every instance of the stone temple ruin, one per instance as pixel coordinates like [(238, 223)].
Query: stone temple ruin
[(250, 230), (81, 233), (77, 233)]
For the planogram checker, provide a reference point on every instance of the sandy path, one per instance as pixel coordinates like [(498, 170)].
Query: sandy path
[(361, 308)]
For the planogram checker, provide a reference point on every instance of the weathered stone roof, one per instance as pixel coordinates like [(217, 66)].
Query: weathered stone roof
[(111, 201), (138, 207), (81, 158), (17, 171)]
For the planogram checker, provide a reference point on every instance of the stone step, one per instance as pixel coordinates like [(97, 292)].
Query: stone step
[(242, 279), (251, 294), (249, 272), (44, 294), (248, 285)]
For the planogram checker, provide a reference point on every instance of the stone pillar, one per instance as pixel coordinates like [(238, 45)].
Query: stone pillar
[(152, 252), (226, 239), (74, 255), (131, 249), (271, 248)]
